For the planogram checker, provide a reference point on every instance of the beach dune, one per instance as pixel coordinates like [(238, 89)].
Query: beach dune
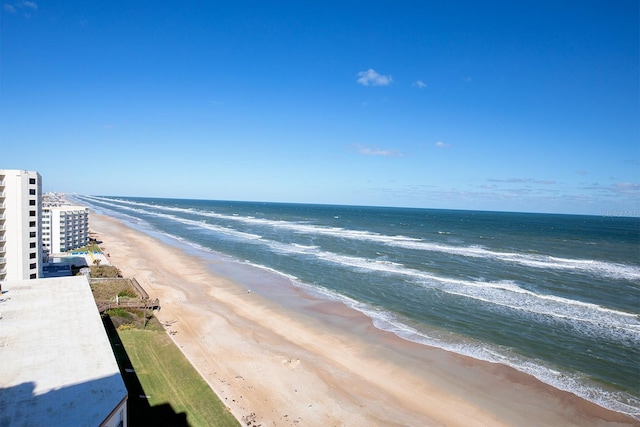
[(310, 362)]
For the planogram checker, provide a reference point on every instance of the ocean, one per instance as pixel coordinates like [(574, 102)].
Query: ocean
[(554, 296)]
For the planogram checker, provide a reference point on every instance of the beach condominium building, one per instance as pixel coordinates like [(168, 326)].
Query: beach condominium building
[(20, 225), (64, 228)]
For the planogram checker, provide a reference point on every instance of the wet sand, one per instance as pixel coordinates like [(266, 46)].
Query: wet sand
[(294, 360)]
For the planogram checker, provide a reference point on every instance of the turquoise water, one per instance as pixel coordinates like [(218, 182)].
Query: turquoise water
[(555, 296)]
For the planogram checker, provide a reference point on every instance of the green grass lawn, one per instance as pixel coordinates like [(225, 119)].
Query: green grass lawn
[(173, 393)]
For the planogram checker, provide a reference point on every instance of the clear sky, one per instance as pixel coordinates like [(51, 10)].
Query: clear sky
[(493, 105)]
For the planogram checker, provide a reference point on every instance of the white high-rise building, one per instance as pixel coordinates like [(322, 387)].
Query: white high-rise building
[(20, 225), (64, 228)]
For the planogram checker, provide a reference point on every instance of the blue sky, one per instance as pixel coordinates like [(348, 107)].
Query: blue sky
[(494, 105)]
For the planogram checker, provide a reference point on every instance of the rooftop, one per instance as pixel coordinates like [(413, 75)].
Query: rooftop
[(57, 366)]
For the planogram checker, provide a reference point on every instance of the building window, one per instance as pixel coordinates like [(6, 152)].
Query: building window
[(32, 234), (32, 202), (33, 276), (32, 266), (32, 223), (32, 256), (32, 213), (32, 245), (32, 192), (32, 180)]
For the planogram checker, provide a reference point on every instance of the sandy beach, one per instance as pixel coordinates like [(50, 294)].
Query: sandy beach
[(312, 362)]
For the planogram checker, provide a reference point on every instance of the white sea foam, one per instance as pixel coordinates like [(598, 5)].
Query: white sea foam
[(600, 268), (289, 277), (587, 318), (605, 269), (200, 224), (602, 321)]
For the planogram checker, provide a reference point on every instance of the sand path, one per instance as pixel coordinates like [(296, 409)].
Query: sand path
[(295, 369)]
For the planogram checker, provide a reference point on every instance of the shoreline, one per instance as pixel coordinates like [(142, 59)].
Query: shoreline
[(323, 363)]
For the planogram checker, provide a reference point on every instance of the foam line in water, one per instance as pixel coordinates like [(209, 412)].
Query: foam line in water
[(606, 269), (586, 318)]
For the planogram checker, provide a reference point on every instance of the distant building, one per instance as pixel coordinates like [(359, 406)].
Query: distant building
[(58, 368), (64, 228), (20, 225), (54, 199)]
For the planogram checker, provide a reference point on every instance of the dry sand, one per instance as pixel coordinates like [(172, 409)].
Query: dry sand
[(323, 364)]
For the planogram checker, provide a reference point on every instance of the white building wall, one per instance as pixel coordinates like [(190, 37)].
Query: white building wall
[(65, 228), (117, 418), (20, 225)]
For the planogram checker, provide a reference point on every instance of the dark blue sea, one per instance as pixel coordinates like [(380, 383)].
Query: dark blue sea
[(554, 296)]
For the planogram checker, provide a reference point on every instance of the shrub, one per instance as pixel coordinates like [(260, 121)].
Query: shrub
[(127, 293), (105, 271), (118, 312)]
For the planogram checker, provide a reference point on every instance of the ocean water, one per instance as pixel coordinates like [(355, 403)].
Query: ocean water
[(554, 296)]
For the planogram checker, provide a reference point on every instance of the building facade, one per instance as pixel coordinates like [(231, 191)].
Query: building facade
[(20, 225), (64, 228)]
